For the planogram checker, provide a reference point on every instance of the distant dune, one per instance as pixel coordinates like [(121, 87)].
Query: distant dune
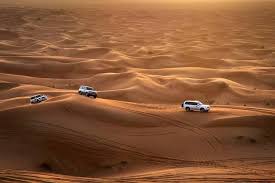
[(144, 61)]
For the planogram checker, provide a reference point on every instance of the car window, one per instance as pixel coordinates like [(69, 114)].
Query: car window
[(90, 88), (194, 103)]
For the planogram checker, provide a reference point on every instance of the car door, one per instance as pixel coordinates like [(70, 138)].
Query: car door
[(193, 105), (85, 90), (39, 99), (35, 100), (197, 106)]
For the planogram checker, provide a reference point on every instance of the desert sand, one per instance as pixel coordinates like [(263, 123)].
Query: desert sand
[(144, 60)]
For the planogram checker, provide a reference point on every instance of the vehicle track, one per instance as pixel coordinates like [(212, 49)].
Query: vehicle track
[(261, 110), (82, 143), (180, 124)]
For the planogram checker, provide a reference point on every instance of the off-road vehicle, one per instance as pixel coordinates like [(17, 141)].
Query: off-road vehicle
[(193, 105), (87, 91), (38, 98)]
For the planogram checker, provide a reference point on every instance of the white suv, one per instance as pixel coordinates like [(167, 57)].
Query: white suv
[(87, 91), (191, 105), (38, 98)]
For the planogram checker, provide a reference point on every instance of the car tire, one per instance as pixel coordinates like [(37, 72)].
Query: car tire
[(202, 110), (187, 109), (94, 96)]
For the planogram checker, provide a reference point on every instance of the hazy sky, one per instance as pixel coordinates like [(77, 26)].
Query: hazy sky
[(64, 3)]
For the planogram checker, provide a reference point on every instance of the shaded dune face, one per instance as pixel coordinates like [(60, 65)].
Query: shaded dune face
[(144, 62)]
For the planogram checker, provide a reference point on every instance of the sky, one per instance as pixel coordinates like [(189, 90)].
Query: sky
[(64, 3)]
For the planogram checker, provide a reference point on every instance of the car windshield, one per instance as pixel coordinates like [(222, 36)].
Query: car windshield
[(199, 103)]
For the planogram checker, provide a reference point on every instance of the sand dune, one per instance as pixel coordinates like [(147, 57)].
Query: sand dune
[(144, 61)]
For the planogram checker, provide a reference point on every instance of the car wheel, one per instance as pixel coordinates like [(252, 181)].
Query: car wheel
[(95, 96), (202, 110), (187, 109)]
